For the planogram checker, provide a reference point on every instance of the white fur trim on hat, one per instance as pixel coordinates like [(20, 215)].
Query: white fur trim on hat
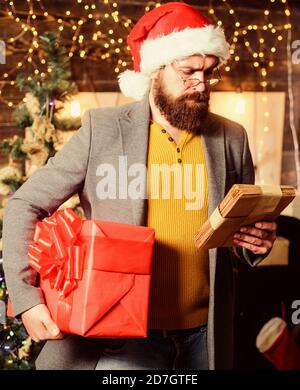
[(269, 333), (134, 84), (209, 40)]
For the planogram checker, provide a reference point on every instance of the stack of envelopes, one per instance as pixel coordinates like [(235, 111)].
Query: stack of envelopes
[(243, 205)]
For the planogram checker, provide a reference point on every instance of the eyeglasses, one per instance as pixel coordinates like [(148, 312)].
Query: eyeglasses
[(193, 82)]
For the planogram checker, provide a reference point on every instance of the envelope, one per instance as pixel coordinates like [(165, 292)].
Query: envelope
[(244, 204), (95, 275)]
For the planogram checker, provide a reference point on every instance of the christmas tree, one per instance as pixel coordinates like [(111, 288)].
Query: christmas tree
[(17, 350), (44, 134)]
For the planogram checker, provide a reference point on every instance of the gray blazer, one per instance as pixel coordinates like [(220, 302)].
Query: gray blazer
[(106, 134)]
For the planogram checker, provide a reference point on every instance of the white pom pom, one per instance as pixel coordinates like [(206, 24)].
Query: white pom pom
[(134, 84), (269, 333)]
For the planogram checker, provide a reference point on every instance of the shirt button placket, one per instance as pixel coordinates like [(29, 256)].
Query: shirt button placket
[(179, 159)]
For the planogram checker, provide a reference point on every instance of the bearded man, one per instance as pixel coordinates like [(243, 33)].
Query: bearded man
[(177, 53)]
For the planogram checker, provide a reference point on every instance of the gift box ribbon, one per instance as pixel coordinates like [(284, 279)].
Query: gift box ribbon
[(56, 252)]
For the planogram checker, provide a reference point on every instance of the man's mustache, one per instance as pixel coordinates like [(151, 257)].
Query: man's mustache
[(199, 97)]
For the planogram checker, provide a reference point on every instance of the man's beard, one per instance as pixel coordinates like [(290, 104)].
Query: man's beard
[(186, 112)]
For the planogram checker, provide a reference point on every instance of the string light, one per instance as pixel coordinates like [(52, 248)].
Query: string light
[(264, 56), (115, 27)]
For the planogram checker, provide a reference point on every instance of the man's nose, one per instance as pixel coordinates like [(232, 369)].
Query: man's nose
[(201, 87)]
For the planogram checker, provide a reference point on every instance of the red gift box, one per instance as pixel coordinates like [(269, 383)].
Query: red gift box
[(95, 275)]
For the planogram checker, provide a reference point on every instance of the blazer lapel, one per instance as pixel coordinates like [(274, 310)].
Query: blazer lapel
[(134, 133), (214, 144)]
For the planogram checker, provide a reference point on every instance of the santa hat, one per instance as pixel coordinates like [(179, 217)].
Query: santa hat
[(166, 33)]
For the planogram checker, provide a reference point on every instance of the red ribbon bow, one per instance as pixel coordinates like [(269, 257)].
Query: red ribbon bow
[(56, 252)]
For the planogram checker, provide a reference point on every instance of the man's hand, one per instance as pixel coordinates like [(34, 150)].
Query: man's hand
[(258, 239), (39, 324)]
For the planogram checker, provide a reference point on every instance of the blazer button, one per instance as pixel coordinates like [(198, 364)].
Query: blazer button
[(163, 131), (178, 150), (170, 139), (179, 160)]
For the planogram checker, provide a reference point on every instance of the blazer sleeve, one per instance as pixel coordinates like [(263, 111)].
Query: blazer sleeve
[(247, 177), (42, 193)]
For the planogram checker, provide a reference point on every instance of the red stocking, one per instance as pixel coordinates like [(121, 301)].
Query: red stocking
[(277, 344)]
